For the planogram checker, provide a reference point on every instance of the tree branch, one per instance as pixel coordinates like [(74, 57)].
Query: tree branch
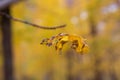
[(32, 24)]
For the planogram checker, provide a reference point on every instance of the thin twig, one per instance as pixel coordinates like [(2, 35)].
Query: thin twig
[(29, 23)]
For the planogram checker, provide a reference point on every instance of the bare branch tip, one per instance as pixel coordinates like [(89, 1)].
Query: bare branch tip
[(32, 24)]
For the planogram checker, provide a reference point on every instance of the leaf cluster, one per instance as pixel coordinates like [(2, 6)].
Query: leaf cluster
[(77, 43)]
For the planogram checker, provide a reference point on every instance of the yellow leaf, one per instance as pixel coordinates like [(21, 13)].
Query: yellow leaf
[(78, 43), (85, 49)]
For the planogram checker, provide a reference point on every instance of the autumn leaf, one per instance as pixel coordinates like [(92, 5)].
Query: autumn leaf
[(78, 43)]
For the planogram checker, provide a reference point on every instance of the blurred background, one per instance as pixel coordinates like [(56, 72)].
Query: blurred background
[(23, 58)]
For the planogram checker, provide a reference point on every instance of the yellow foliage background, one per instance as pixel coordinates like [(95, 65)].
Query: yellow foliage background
[(33, 61)]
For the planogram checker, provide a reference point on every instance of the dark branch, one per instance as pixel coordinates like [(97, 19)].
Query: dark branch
[(32, 24)]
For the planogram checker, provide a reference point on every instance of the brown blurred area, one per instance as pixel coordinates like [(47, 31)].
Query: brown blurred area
[(23, 58)]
